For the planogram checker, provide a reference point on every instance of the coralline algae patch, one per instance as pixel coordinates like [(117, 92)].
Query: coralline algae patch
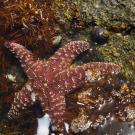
[(102, 106)]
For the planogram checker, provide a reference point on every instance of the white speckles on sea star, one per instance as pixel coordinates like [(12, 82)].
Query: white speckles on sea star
[(49, 81)]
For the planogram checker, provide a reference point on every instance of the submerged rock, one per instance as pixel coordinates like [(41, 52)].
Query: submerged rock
[(120, 50), (105, 12)]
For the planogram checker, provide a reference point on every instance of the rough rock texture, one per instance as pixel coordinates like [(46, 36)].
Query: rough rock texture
[(121, 50), (108, 12)]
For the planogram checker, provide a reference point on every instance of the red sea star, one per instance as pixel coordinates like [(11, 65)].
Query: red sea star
[(49, 81)]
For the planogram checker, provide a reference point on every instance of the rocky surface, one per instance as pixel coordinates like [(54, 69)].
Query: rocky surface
[(108, 12)]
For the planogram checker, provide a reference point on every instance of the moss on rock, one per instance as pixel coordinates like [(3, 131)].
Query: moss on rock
[(120, 50)]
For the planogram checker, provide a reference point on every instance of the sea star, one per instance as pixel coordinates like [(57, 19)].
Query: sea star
[(49, 81)]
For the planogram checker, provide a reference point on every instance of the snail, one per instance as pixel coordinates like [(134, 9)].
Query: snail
[(99, 35)]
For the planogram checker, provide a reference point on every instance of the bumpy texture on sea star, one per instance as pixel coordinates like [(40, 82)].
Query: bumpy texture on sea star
[(49, 81)]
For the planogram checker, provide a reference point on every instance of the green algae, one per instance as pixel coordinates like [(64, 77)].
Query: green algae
[(120, 50)]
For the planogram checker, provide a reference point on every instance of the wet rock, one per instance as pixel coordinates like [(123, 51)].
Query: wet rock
[(120, 50), (108, 13)]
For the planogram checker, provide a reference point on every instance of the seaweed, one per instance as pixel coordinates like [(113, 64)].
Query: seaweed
[(29, 22)]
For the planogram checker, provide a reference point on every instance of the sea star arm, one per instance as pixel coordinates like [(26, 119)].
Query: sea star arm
[(65, 55), (56, 107), (25, 56), (58, 110), (95, 71), (22, 101)]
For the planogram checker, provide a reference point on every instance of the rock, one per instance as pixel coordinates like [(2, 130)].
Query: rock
[(108, 13)]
